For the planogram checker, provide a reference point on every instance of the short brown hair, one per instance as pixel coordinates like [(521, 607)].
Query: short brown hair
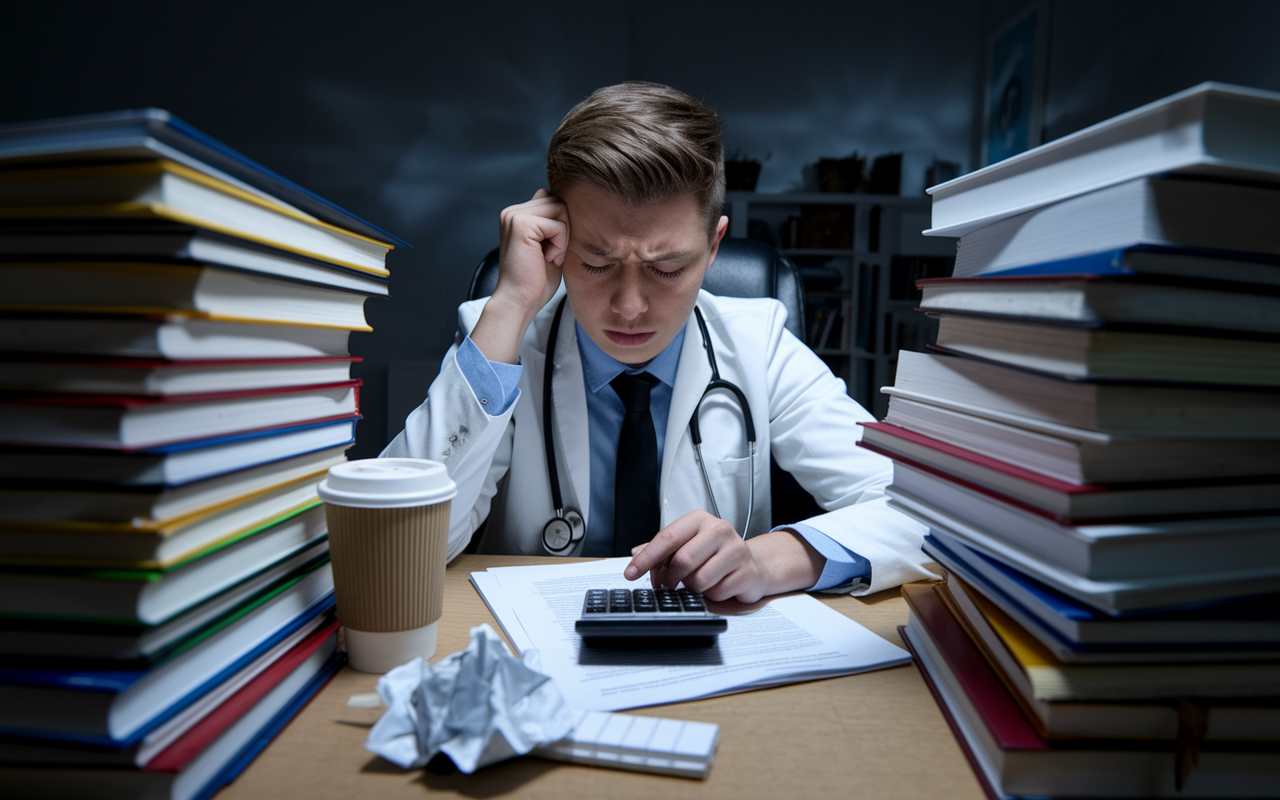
[(642, 142)]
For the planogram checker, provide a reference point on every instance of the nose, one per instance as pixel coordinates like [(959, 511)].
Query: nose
[(628, 300)]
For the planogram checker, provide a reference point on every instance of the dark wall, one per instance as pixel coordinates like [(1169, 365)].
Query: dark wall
[(1107, 57), (428, 118)]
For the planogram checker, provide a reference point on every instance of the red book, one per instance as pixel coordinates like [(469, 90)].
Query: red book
[(1068, 503), (1010, 727), (201, 735)]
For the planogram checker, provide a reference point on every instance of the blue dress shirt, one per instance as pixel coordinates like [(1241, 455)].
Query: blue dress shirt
[(495, 385)]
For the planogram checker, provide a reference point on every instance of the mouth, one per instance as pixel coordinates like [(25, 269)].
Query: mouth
[(629, 339)]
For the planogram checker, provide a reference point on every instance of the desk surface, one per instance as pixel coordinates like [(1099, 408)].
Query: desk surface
[(873, 735)]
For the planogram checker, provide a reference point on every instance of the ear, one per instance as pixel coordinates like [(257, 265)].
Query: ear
[(722, 227)]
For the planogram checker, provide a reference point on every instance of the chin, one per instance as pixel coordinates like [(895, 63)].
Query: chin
[(633, 355)]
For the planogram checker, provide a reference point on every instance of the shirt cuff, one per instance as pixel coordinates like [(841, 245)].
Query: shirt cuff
[(495, 383), (845, 570)]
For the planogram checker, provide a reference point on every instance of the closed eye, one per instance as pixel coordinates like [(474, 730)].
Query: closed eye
[(594, 270), (673, 274)]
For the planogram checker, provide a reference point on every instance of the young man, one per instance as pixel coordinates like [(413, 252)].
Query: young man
[(630, 224)]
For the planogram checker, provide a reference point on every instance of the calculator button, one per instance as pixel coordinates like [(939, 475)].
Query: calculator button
[(620, 602), (643, 600), (668, 600)]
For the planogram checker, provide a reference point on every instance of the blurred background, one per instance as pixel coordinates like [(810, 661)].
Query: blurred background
[(428, 118)]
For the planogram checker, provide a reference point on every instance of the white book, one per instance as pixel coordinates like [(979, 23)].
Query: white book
[(1179, 549), (1057, 407), (138, 423), (162, 378), (155, 507), (1159, 212), (176, 337), (1107, 354), (1093, 301), (1080, 456), (197, 291), (145, 544), (1211, 129), (1108, 596), (126, 243), (167, 190)]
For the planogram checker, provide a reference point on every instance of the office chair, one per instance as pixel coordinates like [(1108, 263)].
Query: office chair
[(743, 268)]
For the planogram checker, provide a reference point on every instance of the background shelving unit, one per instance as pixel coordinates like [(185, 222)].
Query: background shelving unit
[(870, 276)]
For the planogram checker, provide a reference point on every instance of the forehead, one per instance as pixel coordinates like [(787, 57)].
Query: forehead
[(603, 224)]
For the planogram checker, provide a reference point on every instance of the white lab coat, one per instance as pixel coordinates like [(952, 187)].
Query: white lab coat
[(803, 418)]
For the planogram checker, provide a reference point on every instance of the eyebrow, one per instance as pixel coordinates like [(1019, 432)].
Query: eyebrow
[(675, 255)]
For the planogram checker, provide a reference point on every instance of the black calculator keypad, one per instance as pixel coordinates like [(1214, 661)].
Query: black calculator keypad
[(668, 614)]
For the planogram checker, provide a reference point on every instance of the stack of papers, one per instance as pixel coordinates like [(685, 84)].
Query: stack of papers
[(786, 640)]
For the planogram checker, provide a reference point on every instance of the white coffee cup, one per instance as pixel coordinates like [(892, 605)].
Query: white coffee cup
[(388, 532)]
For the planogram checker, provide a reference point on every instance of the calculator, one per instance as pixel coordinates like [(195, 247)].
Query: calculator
[(673, 616)]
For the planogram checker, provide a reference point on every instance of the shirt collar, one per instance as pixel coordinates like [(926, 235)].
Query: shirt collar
[(600, 367)]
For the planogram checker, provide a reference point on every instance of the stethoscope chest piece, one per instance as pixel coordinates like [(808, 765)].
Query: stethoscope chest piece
[(564, 531)]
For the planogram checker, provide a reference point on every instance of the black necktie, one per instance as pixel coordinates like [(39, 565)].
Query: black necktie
[(635, 498)]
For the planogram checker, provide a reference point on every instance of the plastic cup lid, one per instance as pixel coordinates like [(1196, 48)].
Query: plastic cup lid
[(387, 483)]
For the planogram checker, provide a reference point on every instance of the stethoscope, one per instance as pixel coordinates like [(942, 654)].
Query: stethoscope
[(567, 528)]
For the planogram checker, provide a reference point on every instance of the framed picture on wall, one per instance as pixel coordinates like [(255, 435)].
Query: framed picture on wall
[(1014, 90)]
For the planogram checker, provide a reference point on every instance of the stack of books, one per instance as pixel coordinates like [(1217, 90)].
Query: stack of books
[(174, 382), (1094, 444)]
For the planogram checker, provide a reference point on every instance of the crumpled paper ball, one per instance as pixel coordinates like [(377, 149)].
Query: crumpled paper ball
[(479, 706)]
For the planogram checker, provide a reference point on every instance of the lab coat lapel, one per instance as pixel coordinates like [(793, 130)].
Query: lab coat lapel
[(692, 376), (572, 430)]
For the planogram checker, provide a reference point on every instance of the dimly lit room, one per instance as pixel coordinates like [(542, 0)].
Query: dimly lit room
[(290, 509)]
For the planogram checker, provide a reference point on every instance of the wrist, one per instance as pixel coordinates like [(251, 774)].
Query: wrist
[(786, 561), (501, 328)]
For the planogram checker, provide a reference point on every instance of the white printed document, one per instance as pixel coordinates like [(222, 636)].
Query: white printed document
[(785, 640)]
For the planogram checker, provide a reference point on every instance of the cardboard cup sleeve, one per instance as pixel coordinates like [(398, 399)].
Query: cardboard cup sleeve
[(388, 565)]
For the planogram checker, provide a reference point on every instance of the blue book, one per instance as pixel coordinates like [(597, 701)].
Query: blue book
[(150, 133), (175, 464), (1159, 262), (201, 766), (116, 708), (1072, 629)]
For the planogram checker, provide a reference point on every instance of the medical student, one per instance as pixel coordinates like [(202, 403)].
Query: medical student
[(601, 276)]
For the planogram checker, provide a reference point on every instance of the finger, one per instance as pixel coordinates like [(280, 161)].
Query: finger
[(636, 550), (666, 542), (742, 584), (555, 248), (541, 193), (711, 572), (551, 235), (715, 548)]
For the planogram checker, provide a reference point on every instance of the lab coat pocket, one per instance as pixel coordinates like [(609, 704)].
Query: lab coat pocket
[(731, 481)]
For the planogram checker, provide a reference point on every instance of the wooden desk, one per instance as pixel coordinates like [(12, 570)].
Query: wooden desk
[(873, 735)]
